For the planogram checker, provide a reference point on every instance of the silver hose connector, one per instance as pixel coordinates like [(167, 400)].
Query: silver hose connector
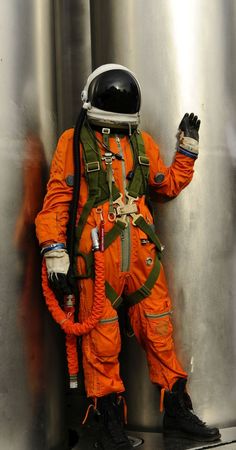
[(95, 239)]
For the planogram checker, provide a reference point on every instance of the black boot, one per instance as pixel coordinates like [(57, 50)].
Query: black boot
[(111, 420), (179, 420)]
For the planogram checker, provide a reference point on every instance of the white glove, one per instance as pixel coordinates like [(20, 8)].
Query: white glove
[(57, 261)]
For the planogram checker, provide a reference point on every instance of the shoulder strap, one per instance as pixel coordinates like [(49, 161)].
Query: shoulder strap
[(94, 172), (97, 183), (138, 185)]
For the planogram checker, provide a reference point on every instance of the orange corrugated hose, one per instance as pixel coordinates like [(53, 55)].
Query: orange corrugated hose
[(71, 343), (66, 319)]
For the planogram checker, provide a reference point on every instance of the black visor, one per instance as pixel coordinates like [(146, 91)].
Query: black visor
[(116, 91)]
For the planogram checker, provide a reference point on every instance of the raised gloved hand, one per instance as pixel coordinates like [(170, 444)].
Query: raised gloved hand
[(188, 135), (58, 263)]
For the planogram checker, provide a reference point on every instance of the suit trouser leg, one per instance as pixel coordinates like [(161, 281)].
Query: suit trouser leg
[(150, 320), (100, 347), (152, 325)]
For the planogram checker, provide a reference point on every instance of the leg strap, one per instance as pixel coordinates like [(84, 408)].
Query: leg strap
[(146, 288), (141, 293)]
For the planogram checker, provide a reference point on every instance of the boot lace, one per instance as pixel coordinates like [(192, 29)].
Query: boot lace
[(190, 416)]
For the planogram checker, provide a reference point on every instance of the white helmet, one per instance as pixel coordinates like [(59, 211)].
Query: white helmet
[(112, 97)]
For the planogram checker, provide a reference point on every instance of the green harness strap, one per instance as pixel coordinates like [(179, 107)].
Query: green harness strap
[(95, 174), (98, 190), (112, 295), (99, 193), (148, 230), (136, 296), (146, 288), (97, 178), (138, 185)]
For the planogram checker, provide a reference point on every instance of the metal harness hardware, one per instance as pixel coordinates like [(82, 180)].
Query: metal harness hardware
[(92, 166), (123, 210), (108, 158)]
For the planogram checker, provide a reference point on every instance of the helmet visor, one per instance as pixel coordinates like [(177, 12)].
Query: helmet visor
[(115, 91)]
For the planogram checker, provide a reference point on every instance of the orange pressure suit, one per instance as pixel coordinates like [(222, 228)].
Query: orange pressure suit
[(129, 260)]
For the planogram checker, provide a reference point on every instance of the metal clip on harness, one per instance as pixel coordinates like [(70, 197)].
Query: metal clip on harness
[(122, 210)]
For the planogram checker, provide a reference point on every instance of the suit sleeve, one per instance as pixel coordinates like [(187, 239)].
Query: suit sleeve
[(168, 181), (51, 222)]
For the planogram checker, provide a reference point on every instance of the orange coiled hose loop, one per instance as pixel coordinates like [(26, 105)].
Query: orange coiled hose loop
[(98, 303), (72, 355)]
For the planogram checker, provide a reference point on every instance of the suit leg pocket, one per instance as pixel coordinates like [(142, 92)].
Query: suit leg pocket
[(106, 340), (159, 330)]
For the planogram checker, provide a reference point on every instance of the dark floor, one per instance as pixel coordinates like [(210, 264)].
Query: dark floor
[(156, 441)]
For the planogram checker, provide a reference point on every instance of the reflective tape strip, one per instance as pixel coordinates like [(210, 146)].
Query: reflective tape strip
[(155, 316), (109, 320)]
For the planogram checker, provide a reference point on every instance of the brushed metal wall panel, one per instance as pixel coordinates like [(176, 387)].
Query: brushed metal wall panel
[(73, 57), (184, 56), (31, 395)]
